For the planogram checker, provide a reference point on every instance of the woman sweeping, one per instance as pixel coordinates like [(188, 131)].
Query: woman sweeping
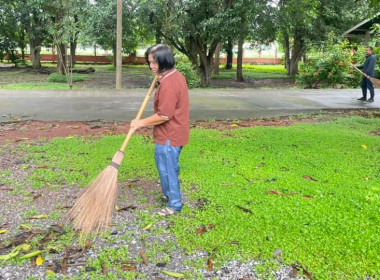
[(170, 123)]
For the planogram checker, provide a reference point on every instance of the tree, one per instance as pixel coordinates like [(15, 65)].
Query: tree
[(100, 21), (12, 31), (254, 23), (35, 25), (194, 28)]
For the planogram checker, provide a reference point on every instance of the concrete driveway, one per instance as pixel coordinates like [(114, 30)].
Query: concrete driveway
[(122, 105)]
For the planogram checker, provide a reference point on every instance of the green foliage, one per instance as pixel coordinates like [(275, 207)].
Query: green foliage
[(328, 224), (57, 78), (332, 67), (187, 69), (255, 72), (36, 86)]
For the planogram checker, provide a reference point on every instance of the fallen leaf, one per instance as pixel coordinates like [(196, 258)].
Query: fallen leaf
[(76, 127), (32, 254), (290, 193), (3, 231), (143, 256), (363, 146), (50, 272), (284, 168), (298, 268), (147, 227), (128, 268), (37, 196), (173, 274), (39, 260), (234, 125), (38, 217), (210, 261), (307, 177), (244, 209), (21, 139), (274, 192), (126, 208), (104, 269), (201, 230), (26, 226), (42, 166)]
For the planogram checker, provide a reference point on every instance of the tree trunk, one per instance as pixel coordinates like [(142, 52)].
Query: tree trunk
[(158, 34), (217, 59), (297, 52), (73, 47), (35, 52), (287, 50), (61, 61), (230, 55), (205, 72), (118, 53), (114, 55), (239, 67)]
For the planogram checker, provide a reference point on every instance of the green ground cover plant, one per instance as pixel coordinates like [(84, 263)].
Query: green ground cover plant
[(255, 72), (57, 78), (309, 192)]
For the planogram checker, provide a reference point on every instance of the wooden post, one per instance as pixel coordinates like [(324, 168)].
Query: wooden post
[(118, 44)]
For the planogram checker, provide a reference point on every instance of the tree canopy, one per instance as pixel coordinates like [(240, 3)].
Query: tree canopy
[(194, 27)]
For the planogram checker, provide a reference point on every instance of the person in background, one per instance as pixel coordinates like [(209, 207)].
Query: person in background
[(368, 68), (170, 123)]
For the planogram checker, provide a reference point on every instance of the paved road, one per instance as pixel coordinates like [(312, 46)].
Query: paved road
[(205, 104)]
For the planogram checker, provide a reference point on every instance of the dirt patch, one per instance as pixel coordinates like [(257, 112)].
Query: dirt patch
[(29, 131)]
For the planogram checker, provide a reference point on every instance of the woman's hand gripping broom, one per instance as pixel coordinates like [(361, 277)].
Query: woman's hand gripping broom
[(92, 211)]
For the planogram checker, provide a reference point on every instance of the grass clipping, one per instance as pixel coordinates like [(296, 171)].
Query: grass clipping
[(92, 211)]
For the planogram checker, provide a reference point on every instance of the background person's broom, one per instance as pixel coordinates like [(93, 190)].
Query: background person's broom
[(92, 210), (374, 81)]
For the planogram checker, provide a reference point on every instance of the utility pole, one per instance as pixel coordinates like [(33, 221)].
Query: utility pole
[(119, 43)]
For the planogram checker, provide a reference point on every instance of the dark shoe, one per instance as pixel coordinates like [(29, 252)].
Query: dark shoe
[(370, 100), (362, 99)]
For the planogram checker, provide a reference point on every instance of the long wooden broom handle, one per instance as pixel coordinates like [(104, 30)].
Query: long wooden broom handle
[(139, 114), (364, 74)]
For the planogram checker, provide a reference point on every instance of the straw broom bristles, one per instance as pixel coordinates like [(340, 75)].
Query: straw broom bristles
[(92, 211)]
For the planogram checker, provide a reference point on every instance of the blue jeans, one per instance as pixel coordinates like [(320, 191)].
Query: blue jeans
[(167, 162)]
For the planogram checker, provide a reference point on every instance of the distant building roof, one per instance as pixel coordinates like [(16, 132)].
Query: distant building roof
[(362, 29)]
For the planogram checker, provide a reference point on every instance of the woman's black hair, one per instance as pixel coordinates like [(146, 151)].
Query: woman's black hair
[(162, 55)]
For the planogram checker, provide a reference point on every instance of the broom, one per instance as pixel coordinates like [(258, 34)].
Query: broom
[(374, 81), (92, 210)]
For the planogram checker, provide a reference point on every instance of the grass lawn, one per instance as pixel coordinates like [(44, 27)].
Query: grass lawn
[(309, 192), (255, 72), (104, 76)]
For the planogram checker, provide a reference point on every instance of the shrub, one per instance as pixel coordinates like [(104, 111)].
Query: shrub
[(332, 67), (57, 78), (186, 68)]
